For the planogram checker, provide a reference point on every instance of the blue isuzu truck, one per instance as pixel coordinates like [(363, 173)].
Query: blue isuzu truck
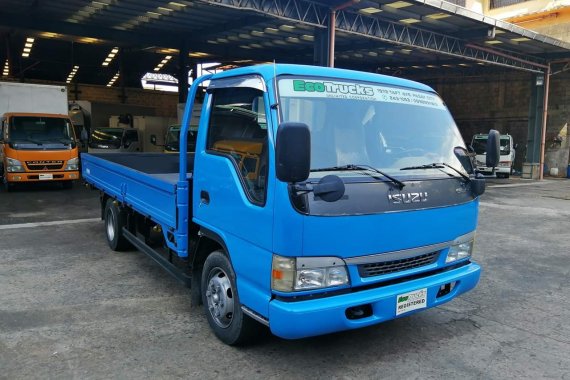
[(317, 200)]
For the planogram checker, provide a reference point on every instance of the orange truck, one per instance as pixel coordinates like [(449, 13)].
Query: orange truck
[(37, 140)]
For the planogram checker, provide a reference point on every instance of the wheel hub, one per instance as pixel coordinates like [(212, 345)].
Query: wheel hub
[(219, 295)]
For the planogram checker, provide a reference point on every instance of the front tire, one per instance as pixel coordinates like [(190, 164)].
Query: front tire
[(221, 302), (115, 220)]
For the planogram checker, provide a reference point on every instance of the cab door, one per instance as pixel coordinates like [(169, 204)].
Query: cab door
[(232, 185)]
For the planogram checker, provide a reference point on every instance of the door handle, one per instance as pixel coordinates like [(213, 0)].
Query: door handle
[(204, 197)]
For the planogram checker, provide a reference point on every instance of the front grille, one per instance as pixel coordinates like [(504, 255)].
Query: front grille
[(44, 165), (385, 267)]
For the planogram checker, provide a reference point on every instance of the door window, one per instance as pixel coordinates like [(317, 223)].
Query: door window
[(238, 131)]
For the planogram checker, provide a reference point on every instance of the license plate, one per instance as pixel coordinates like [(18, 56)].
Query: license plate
[(43, 177), (411, 301)]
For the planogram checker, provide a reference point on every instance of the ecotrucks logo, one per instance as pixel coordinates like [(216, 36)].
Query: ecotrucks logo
[(332, 88)]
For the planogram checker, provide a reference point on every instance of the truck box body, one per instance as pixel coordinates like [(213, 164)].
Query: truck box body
[(36, 98), (37, 137), (397, 241)]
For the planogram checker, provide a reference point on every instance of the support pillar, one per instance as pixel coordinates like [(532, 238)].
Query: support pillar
[(531, 166), (320, 47), (183, 73)]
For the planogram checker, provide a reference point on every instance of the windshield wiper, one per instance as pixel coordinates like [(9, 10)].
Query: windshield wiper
[(437, 165), (364, 168)]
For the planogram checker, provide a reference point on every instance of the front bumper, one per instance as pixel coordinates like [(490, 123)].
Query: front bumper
[(300, 319), (45, 176), (489, 171)]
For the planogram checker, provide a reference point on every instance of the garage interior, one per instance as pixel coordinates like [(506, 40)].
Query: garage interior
[(491, 74)]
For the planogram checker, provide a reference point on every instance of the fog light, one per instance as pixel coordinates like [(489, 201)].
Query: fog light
[(16, 178)]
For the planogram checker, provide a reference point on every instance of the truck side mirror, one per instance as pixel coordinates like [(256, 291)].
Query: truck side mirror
[(493, 149), (153, 139), (293, 152)]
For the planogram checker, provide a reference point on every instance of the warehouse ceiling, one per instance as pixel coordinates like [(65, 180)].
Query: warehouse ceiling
[(93, 40)]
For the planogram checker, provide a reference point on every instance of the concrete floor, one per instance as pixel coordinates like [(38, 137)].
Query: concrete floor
[(71, 308)]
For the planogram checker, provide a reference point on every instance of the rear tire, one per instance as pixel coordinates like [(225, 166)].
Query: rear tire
[(115, 220), (221, 302)]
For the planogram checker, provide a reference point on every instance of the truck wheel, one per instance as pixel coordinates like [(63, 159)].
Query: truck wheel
[(221, 302), (115, 219)]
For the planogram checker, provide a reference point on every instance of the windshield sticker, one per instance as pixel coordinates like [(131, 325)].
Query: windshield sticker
[(357, 91)]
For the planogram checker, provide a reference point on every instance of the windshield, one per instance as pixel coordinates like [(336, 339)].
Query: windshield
[(40, 130), (106, 138), (479, 145), (388, 128)]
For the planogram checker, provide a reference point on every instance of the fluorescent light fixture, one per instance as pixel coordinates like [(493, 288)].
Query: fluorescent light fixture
[(389, 52), (110, 56), (257, 46), (165, 9), (432, 66), (28, 44), (307, 37), (244, 47), (257, 33), (233, 38), (370, 10), (72, 74), (293, 39), (113, 80), (271, 30), (358, 55), (176, 4), (409, 20), (287, 27), (212, 42), (153, 14), (493, 42), (27, 49), (244, 36), (520, 39), (222, 40), (399, 4), (373, 54), (406, 51), (30, 40), (416, 67), (464, 65), (438, 16), (6, 70)]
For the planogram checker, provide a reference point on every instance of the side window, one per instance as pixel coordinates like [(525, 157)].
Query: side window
[(238, 130)]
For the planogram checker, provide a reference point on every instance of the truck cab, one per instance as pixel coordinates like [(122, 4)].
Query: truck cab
[(506, 159), (115, 140), (36, 147)]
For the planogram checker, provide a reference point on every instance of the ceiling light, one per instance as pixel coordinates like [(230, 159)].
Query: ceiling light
[(175, 4), (373, 54), (244, 47), (370, 10), (293, 39), (389, 52), (165, 9), (493, 42), (27, 49), (307, 37), (287, 27), (399, 4), (271, 30), (257, 33), (438, 16), (72, 74), (30, 40), (113, 80), (409, 20), (520, 39), (406, 51), (110, 56), (6, 70)]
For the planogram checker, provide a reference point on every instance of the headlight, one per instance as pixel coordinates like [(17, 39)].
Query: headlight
[(72, 164), (13, 165), (306, 273), (459, 251)]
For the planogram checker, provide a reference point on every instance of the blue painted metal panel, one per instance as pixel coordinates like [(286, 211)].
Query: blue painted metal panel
[(146, 194), (293, 320)]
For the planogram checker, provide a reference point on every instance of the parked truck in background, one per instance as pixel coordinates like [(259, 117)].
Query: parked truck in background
[(37, 141), (172, 139), (115, 140), (148, 126), (507, 158), (318, 200)]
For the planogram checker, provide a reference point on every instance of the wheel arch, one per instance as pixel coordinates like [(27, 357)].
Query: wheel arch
[(208, 242)]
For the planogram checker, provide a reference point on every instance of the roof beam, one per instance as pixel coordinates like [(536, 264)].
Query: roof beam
[(309, 13)]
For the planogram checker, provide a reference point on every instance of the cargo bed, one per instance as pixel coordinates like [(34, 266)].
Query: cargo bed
[(147, 182)]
